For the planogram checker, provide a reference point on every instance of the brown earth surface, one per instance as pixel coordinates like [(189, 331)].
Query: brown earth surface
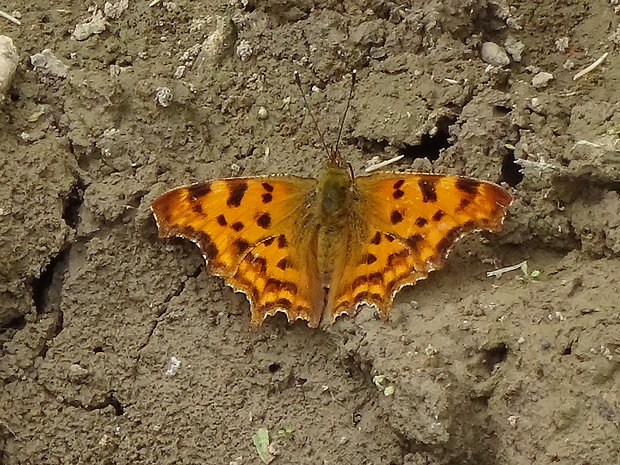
[(118, 347)]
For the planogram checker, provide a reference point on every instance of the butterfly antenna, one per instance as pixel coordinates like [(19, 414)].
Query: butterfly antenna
[(346, 109), (316, 125)]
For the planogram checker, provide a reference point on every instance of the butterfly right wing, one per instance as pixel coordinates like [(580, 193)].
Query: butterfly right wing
[(406, 225), (257, 234)]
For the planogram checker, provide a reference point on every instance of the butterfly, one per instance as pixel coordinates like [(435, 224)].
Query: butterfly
[(320, 248)]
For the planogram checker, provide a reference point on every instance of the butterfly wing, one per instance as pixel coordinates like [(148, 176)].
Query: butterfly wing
[(257, 233), (410, 223)]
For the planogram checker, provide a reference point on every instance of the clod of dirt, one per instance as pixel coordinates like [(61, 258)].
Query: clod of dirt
[(46, 63), (115, 10), (217, 43), (95, 25), (494, 54), (514, 48), (8, 64)]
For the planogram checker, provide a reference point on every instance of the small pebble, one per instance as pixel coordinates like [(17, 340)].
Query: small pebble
[(541, 80), (179, 72), (493, 54), (163, 96), (561, 44), (8, 64), (244, 50), (514, 48), (77, 374), (262, 113), (47, 63)]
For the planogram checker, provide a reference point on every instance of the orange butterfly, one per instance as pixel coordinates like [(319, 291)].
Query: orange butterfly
[(319, 248)]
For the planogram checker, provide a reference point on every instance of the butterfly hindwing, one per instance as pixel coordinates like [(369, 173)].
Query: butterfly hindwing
[(413, 220), (245, 230)]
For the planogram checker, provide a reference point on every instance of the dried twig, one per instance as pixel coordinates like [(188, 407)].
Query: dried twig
[(384, 164), (587, 69), (11, 18), (519, 266)]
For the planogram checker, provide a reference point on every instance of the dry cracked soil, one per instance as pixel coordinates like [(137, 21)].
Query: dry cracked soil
[(118, 347)]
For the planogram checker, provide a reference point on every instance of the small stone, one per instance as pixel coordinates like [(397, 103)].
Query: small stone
[(536, 104), (568, 65), (46, 63), (244, 50), (163, 96), (8, 64), (115, 10), (430, 350), (173, 366), (541, 80), (179, 72), (77, 374), (514, 48), (493, 54), (561, 44), (263, 114)]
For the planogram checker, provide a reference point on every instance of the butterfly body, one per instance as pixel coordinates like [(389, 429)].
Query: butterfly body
[(319, 248), (333, 218)]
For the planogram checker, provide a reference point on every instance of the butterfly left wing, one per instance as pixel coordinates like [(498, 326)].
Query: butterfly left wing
[(256, 233), (411, 221)]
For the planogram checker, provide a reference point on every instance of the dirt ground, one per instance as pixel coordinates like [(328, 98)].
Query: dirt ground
[(118, 347)]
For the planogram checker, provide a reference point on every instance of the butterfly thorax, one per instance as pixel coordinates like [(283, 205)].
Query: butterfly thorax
[(334, 206)]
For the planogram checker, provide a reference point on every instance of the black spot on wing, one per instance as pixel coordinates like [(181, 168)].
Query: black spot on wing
[(261, 264), (420, 222), (445, 244), (427, 187), (237, 226), (468, 185), (241, 245), (264, 220), (463, 204), (396, 217), (275, 285), (376, 240), (206, 245), (196, 191), (414, 241), (221, 220), (237, 192), (397, 258), (439, 214), (366, 296), (279, 303), (398, 193), (372, 278)]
